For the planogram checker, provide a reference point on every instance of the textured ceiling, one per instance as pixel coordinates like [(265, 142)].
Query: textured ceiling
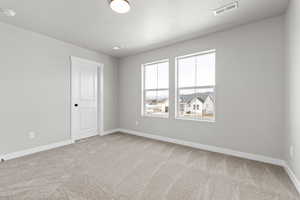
[(150, 23)]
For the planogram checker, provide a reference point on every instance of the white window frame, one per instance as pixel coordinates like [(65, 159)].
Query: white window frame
[(158, 89), (177, 89)]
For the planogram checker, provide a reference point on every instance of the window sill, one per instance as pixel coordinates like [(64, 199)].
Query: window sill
[(156, 116), (196, 120)]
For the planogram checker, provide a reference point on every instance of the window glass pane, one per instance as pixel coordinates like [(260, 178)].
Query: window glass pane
[(150, 76), (163, 101), (187, 103), (150, 102), (163, 75), (207, 99), (197, 104), (157, 102), (206, 70), (186, 72)]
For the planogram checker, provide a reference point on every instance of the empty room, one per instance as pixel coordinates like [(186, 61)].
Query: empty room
[(150, 100)]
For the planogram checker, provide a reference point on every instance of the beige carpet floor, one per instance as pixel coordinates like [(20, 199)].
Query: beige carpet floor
[(124, 167)]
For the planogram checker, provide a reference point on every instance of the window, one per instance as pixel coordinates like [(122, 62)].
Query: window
[(195, 86), (155, 84)]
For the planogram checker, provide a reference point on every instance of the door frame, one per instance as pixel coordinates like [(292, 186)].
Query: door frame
[(100, 94)]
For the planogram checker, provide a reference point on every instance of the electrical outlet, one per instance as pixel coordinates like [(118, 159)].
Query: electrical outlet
[(136, 123), (292, 152), (31, 135)]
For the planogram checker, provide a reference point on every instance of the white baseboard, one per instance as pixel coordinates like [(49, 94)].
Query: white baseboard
[(26, 152), (249, 156), (109, 132), (292, 176), (84, 136)]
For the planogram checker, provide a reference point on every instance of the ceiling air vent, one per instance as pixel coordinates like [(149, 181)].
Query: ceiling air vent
[(227, 8)]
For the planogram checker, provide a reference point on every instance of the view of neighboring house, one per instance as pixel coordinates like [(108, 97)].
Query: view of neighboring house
[(157, 106), (199, 104)]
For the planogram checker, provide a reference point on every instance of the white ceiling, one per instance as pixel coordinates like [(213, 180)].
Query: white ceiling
[(150, 23)]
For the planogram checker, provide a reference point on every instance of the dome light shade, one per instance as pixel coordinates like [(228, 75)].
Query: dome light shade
[(120, 6), (116, 48)]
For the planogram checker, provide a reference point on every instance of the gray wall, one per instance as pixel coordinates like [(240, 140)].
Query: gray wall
[(250, 83), (35, 88), (292, 133)]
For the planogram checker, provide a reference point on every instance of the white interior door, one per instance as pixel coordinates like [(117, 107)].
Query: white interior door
[(84, 85)]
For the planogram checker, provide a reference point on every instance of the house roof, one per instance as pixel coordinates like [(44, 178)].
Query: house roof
[(187, 98), (155, 101)]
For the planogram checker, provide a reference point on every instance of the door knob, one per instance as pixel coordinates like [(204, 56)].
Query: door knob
[(76, 105)]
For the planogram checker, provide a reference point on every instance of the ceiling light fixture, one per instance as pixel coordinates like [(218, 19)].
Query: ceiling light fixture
[(7, 12), (120, 6), (116, 48)]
